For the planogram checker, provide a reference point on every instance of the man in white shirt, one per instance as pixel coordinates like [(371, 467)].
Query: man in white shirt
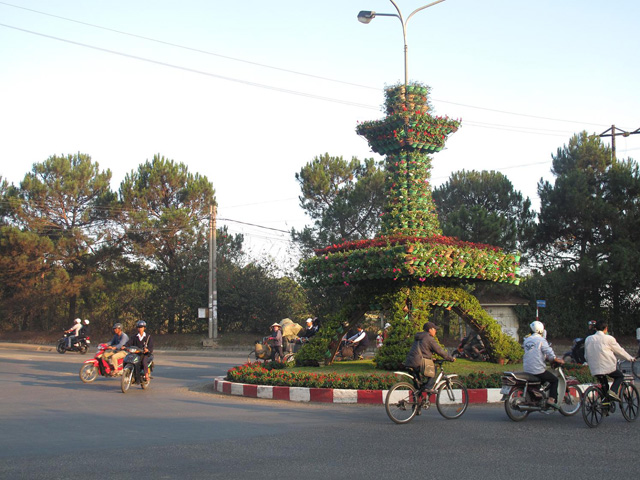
[(602, 351)]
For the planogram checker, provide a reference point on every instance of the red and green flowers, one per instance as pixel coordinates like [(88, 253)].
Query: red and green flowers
[(411, 244)]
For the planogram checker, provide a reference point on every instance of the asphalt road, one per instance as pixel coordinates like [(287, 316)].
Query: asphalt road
[(54, 426)]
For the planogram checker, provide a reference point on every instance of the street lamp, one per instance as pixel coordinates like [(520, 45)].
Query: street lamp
[(365, 16)]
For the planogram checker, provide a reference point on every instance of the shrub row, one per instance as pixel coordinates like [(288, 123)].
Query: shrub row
[(274, 374)]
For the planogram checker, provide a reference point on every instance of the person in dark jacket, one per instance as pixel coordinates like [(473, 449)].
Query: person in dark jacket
[(144, 341), (420, 355)]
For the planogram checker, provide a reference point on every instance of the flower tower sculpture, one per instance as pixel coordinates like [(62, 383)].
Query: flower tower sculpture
[(409, 266)]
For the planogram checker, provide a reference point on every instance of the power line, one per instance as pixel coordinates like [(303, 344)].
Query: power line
[(193, 70), (197, 50)]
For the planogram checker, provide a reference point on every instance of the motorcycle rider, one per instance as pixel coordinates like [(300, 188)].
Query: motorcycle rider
[(84, 331), (420, 355), (113, 351), (310, 331), (472, 345), (359, 341), (602, 351), (71, 339), (144, 341), (536, 351)]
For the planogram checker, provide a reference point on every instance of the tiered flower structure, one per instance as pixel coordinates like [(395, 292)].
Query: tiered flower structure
[(410, 244)]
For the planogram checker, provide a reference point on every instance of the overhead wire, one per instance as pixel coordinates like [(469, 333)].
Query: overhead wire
[(197, 50)]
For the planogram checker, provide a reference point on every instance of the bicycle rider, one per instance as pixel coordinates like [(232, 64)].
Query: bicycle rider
[(602, 351), (420, 356)]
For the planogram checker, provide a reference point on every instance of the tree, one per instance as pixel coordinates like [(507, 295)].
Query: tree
[(68, 201), (589, 227), (344, 199), (483, 207), (164, 209)]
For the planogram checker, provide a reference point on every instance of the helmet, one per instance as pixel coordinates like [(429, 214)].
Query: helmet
[(86, 321), (275, 325), (117, 325), (77, 320), (592, 323), (141, 323), (537, 327), (309, 320), (387, 325)]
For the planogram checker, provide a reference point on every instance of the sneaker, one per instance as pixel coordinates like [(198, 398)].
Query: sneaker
[(614, 396)]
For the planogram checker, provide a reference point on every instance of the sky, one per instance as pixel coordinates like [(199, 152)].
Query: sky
[(247, 92)]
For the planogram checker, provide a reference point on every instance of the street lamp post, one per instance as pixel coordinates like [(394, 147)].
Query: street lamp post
[(365, 16)]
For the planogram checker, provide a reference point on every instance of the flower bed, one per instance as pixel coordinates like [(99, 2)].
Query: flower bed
[(258, 374)]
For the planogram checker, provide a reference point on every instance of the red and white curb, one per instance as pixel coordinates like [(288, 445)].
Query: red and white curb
[(330, 395)]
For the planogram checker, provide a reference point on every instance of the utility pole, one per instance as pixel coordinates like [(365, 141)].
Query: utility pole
[(614, 132), (213, 275)]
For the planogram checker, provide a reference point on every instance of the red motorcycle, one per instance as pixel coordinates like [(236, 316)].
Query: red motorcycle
[(99, 365)]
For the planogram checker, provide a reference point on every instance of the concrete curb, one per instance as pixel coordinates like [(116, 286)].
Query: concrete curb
[(330, 395)]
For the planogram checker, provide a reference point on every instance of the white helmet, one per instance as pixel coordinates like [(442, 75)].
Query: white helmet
[(536, 327), (86, 321), (77, 320)]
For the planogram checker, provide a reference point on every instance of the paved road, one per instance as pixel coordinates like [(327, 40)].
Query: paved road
[(53, 426)]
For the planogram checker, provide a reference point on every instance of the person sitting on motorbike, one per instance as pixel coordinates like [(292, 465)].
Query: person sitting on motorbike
[(275, 341), (143, 341), (536, 351), (359, 341), (602, 351), (472, 345), (113, 351), (71, 339), (84, 331), (310, 331), (420, 356)]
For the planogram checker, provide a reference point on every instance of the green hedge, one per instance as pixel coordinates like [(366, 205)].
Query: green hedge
[(274, 374)]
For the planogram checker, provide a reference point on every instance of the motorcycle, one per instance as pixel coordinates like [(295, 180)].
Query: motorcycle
[(466, 352), (79, 345), (98, 365), (132, 370), (523, 393), (576, 354)]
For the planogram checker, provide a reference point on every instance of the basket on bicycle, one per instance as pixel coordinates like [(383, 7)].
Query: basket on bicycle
[(263, 351)]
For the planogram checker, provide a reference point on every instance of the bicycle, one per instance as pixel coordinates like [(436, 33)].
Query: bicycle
[(406, 399), (596, 406), (262, 351)]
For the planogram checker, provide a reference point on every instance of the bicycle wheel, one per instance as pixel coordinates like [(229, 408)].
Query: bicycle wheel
[(571, 402), (401, 403), (512, 405), (630, 401), (452, 399), (592, 408)]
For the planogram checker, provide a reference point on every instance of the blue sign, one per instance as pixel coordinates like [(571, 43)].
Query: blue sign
[(541, 303)]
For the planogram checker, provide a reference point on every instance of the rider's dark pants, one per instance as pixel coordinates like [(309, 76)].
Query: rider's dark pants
[(617, 376), (358, 350), (276, 351), (547, 376), (146, 360)]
